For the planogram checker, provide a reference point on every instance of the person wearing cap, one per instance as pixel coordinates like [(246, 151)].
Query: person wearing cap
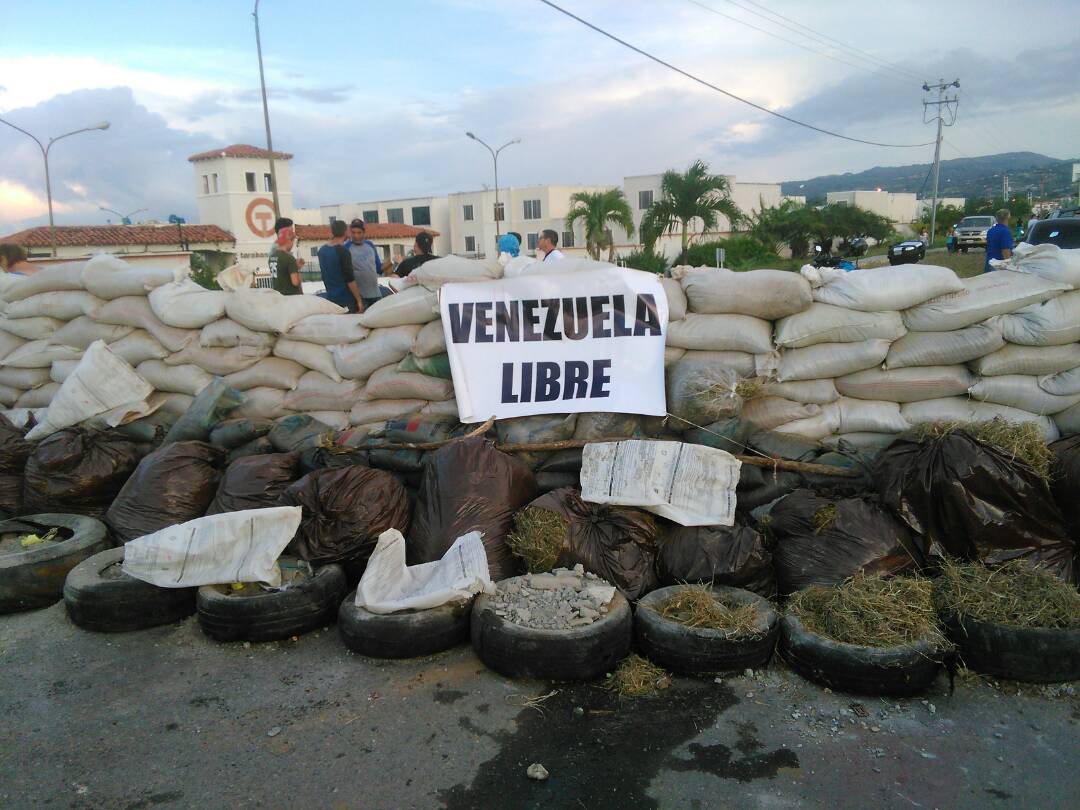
[(365, 264), (421, 253), (283, 266)]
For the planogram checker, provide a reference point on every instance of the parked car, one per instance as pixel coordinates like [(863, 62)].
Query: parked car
[(1064, 213), (907, 252), (1061, 231), (971, 232)]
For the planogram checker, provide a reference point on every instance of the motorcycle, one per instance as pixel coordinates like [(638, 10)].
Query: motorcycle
[(850, 251)]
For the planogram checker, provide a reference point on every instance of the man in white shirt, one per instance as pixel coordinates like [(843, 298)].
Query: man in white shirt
[(548, 245)]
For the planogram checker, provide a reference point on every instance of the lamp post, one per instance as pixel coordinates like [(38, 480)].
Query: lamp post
[(125, 219), (45, 155), (495, 160), (266, 114)]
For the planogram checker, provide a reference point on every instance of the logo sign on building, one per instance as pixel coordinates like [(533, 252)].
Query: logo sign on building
[(559, 343), (260, 217)]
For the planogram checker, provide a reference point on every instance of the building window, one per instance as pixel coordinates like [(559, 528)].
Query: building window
[(421, 215), (530, 240), (532, 209), (500, 212), (268, 183), (644, 199), (470, 244), (333, 219), (205, 184), (371, 217), (467, 213), (567, 239), (314, 253), (213, 183), (395, 216), (249, 178)]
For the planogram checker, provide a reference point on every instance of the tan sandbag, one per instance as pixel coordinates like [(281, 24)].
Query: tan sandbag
[(454, 269), (185, 379), (84, 330), (338, 420), (881, 289), (817, 427), (413, 305), (770, 412), (135, 311), (39, 397), (382, 347), (140, 345), (227, 334), (869, 416), (815, 392), (830, 360), (328, 330), (309, 355), (768, 294), (672, 354), (447, 409), (262, 403), (39, 354), (317, 392), (24, 378), (1051, 323), (430, 341), (186, 304), (40, 328), (52, 278), (389, 383), (962, 409), (383, 410), (218, 361), (171, 402), (271, 372), (676, 298), (906, 384), (721, 333), (108, 277), (265, 310), (9, 396), (9, 343), (64, 306), (1038, 360), (825, 323), (1022, 392), (945, 348), (741, 363), (983, 297), (60, 370)]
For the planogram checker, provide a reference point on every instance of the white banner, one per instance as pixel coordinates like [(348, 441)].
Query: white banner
[(561, 343)]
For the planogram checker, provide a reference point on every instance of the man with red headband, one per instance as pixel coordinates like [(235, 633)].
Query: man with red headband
[(284, 269)]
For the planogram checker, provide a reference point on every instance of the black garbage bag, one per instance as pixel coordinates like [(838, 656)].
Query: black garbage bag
[(255, 482), (233, 433), (1065, 481), (172, 485), (974, 501), (721, 555), (78, 471), (467, 486), (345, 511), (823, 542), (14, 451), (316, 458)]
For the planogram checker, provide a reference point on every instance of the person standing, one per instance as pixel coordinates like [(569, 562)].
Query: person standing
[(548, 244), (283, 266), (365, 265), (421, 254), (999, 239), (335, 264)]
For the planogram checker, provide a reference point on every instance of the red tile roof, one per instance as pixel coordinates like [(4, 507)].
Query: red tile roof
[(239, 150), (106, 235), (373, 230)]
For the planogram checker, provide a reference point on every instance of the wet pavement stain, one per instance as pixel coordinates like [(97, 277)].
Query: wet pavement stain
[(997, 794), (448, 696), (716, 759)]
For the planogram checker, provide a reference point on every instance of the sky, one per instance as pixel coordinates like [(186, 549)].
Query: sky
[(374, 98)]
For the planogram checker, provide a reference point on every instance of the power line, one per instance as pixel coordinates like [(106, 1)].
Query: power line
[(711, 86)]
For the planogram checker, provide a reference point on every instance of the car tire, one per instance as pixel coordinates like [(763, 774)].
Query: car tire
[(905, 670), (700, 650), (272, 615), (1028, 654), (405, 634), (577, 654), (100, 597), (34, 577), (893, 262)]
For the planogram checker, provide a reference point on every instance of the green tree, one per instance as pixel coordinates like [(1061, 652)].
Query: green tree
[(646, 260), (685, 197), (598, 210), (202, 271), (788, 225), (849, 221)]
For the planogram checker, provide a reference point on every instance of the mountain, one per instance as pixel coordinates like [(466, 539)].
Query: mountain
[(978, 177)]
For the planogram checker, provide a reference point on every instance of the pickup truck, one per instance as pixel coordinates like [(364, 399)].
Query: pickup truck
[(971, 232)]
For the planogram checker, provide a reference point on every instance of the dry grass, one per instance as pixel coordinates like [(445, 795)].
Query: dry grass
[(696, 606), (750, 388), (824, 518), (871, 611), (637, 677), (1016, 594), (1023, 442), (537, 538)]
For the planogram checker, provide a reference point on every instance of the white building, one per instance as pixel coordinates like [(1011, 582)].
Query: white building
[(429, 213), (898, 207), (173, 244)]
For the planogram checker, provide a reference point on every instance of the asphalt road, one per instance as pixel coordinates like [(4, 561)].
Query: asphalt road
[(167, 718)]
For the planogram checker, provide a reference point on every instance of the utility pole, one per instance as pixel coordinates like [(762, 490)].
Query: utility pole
[(1005, 189), (942, 107), (266, 114)]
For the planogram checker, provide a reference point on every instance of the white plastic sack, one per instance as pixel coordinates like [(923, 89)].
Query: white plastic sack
[(214, 550), (1068, 421), (187, 305), (1046, 261), (1064, 383), (271, 372), (228, 334), (1037, 360), (329, 330), (962, 409), (357, 361), (676, 298), (135, 311), (83, 331), (140, 345), (389, 585), (63, 306), (218, 361), (516, 265), (267, 310), (23, 378), (830, 360), (1020, 391), (824, 423), (383, 410), (813, 392), (1051, 323), (317, 392), (721, 333), (770, 412), (172, 403), (945, 348), (906, 384), (389, 383), (982, 297), (881, 289), (262, 403), (672, 355), (867, 416), (52, 278), (39, 397), (9, 396), (768, 294), (39, 354), (9, 343), (40, 328), (413, 305), (186, 379), (431, 340), (109, 277), (60, 370), (825, 323), (565, 265), (452, 269), (235, 277), (309, 355), (336, 420), (447, 409)]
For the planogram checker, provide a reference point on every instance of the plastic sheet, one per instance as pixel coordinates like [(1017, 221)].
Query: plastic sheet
[(721, 555)]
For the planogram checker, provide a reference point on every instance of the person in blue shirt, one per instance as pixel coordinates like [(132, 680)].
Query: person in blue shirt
[(999, 239), (336, 267)]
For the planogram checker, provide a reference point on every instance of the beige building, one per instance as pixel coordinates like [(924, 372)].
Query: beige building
[(428, 213), (133, 242), (898, 207)]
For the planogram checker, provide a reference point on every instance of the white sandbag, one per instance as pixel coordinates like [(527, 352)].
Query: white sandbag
[(431, 340), (271, 372), (859, 441), (945, 348), (9, 343), (830, 360), (39, 354), (962, 409), (770, 412), (135, 311), (389, 383), (186, 379), (216, 549), (721, 333), (768, 294), (676, 298), (826, 422), (815, 392), (338, 420), (60, 370), (187, 305), (24, 378), (672, 354), (218, 361), (447, 409), (329, 330), (383, 410), (39, 397), (317, 392), (906, 384), (869, 416), (63, 306), (51, 278), (1063, 383), (453, 269), (1020, 391), (693, 362), (101, 383), (140, 345), (172, 403), (31, 328), (825, 323), (7, 281), (83, 331), (228, 334), (1037, 360), (266, 310), (982, 297), (568, 265), (262, 403), (1068, 421), (234, 277), (881, 289), (9, 396), (309, 355), (109, 277), (1051, 323), (1046, 261), (357, 361), (414, 304)]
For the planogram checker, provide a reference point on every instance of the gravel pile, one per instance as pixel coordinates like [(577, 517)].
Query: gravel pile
[(560, 600)]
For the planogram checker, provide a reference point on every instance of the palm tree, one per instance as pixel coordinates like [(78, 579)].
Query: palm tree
[(599, 209), (685, 196)]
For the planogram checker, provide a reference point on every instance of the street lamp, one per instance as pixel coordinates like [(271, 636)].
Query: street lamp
[(266, 114), (45, 154), (125, 219), (495, 160)]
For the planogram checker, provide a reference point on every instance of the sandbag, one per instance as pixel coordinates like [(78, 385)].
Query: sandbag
[(39, 354), (701, 392), (823, 542), (262, 403), (77, 471), (435, 366), (336, 420), (270, 372), (328, 330), (768, 294), (1051, 323), (265, 310), (234, 432), (824, 423), (555, 427), (676, 298), (135, 311), (974, 501), (862, 442), (721, 333), (39, 397), (40, 328), (815, 392), (345, 511), (137, 347), (962, 409), (430, 340), (227, 334), (710, 364), (1063, 383), (413, 305), (51, 278), (187, 305), (255, 482), (24, 378), (382, 347), (379, 411), (186, 379), (737, 556), (84, 330), (824, 323), (1046, 261), (218, 361), (830, 360), (171, 402), (945, 348), (208, 409), (9, 396), (1067, 422), (438, 410), (309, 355), (870, 416), (453, 269), (982, 297), (108, 277), (770, 412), (63, 306), (389, 383), (881, 289), (467, 486), (601, 425), (1020, 391), (1037, 360), (906, 384), (172, 485), (9, 343), (317, 392)]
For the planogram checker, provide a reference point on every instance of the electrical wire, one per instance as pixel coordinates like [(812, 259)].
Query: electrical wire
[(720, 90)]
